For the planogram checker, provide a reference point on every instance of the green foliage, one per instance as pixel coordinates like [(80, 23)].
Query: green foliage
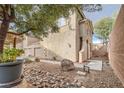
[(103, 28), (42, 19), (9, 55)]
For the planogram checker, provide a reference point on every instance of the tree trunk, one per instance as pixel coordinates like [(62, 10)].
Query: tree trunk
[(116, 46), (14, 42), (6, 18), (3, 33)]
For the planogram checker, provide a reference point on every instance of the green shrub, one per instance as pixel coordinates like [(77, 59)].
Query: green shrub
[(9, 55)]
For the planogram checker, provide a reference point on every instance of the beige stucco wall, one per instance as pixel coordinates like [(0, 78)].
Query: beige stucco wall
[(78, 18), (62, 44), (86, 33)]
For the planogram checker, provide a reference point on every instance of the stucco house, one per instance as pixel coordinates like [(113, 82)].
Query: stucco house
[(73, 41)]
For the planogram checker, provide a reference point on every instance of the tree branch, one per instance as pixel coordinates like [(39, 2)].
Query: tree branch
[(18, 34), (81, 13)]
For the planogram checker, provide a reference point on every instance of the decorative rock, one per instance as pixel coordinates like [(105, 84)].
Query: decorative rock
[(82, 73), (37, 59), (40, 79), (79, 84), (67, 65), (82, 87), (75, 81)]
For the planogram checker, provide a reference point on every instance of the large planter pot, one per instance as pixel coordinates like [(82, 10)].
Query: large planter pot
[(10, 73)]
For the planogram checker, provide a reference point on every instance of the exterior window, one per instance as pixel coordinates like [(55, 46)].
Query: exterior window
[(61, 22)]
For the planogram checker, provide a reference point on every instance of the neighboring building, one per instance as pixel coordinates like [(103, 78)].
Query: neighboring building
[(73, 41), (12, 39)]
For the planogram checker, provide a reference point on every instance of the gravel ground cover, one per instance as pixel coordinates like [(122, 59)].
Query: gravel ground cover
[(46, 75)]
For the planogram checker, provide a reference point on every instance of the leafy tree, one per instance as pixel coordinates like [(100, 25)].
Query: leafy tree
[(103, 27), (35, 18), (38, 19)]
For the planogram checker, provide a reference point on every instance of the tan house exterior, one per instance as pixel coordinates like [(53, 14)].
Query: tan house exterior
[(73, 41)]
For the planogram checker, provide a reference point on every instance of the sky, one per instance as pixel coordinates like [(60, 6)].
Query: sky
[(107, 11)]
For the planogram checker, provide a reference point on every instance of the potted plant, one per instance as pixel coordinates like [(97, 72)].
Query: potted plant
[(10, 67)]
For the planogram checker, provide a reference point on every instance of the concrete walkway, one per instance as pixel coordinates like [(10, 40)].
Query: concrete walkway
[(92, 64), (95, 64)]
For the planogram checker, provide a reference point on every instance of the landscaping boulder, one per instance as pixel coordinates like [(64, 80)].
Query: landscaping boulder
[(37, 59), (67, 65)]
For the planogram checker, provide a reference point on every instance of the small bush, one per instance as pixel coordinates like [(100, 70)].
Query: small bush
[(10, 55)]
